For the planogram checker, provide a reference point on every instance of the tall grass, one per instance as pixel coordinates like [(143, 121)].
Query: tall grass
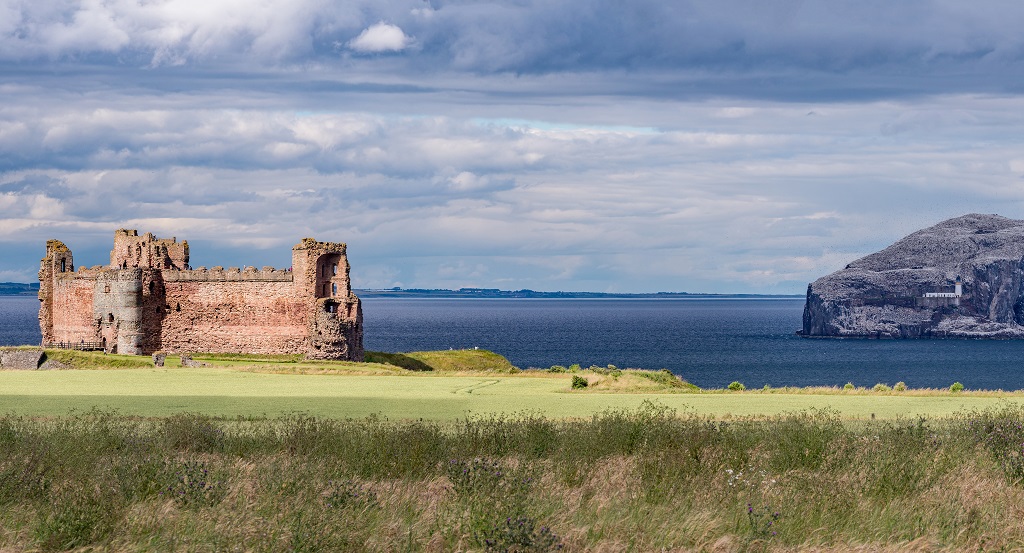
[(643, 480)]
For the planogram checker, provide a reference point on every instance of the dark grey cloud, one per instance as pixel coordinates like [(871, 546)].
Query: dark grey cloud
[(777, 49)]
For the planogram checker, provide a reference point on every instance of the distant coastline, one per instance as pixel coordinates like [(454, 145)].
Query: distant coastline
[(31, 289), (19, 289), (496, 293)]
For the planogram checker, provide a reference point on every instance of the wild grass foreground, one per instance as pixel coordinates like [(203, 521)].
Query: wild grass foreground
[(638, 480)]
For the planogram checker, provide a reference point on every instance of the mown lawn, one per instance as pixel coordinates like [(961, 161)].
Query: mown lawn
[(432, 396)]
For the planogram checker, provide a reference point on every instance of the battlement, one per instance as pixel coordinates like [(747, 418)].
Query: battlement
[(199, 274), (231, 274)]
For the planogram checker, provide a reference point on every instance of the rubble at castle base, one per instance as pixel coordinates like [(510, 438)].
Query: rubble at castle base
[(149, 299)]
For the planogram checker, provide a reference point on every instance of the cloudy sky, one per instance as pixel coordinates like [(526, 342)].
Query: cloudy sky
[(600, 145)]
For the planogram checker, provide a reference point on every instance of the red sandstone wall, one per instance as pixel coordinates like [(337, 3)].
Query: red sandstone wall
[(245, 316), (72, 309)]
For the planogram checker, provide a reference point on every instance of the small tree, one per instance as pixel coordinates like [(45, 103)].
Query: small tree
[(737, 386)]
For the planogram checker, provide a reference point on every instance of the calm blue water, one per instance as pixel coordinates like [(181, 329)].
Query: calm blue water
[(708, 342)]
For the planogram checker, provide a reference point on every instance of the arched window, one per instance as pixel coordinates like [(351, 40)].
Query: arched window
[(63, 265), (110, 317), (334, 269), (334, 289)]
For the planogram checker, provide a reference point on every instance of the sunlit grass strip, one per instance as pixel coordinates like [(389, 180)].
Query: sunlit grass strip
[(416, 395)]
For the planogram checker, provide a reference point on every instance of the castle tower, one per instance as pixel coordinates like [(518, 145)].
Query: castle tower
[(147, 251), (335, 319), (57, 263)]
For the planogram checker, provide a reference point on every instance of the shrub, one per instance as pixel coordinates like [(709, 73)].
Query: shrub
[(575, 367), (900, 386), (766, 388), (848, 386), (882, 387), (192, 432), (192, 485), (956, 387), (667, 378), (762, 522), (578, 382), (349, 494), (521, 534), (556, 369), (736, 386), (76, 518)]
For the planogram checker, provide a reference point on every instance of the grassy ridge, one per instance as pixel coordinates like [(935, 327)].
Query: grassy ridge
[(641, 480)]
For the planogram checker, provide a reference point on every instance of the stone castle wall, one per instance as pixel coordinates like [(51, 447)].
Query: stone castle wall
[(72, 309), (144, 302)]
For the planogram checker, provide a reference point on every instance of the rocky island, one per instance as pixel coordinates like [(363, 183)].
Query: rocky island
[(962, 278)]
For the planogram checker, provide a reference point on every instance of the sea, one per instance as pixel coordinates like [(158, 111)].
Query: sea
[(710, 342)]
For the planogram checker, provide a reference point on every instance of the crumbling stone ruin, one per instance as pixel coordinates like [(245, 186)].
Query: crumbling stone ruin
[(148, 299)]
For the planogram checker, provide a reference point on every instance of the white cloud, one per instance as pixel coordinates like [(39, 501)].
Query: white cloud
[(380, 37)]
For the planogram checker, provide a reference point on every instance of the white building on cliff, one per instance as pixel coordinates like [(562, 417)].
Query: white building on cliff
[(958, 290)]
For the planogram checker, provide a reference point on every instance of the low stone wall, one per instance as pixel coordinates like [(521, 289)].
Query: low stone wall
[(21, 359)]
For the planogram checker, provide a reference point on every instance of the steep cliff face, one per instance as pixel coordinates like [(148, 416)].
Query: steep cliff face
[(882, 295)]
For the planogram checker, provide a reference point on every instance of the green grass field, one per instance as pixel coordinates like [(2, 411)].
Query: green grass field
[(233, 389), (505, 460)]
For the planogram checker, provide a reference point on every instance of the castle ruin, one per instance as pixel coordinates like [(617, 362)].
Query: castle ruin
[(148, 299)]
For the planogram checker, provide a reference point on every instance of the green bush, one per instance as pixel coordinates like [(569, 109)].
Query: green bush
[(521, 534), (578, 382), (574, 368), (193, 485), (848, 386), (667, 378), (882, 387), (736, 386), (956, 387), (193, 432), (350, 495), (900, 386), (75, 518), (556, 369)]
